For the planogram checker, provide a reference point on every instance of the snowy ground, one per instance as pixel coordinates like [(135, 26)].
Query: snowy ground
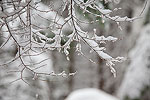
[(90, 94)]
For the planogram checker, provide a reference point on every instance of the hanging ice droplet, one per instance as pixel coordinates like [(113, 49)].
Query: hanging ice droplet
[(68, 58), (37, 95), (33, 78), (120, 28), (91, 51), (115, 9), (92, 22), (92, 61), (94, 30), (103, 21)]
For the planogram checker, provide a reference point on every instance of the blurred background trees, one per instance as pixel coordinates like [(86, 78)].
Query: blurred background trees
[(132, 81)]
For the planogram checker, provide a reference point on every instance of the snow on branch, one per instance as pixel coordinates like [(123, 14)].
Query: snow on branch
[(35, 28)]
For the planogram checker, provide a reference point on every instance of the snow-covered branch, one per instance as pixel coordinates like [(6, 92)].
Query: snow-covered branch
[(35, 28)]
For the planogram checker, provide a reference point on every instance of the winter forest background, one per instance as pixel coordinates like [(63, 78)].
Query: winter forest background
[(59, 50)]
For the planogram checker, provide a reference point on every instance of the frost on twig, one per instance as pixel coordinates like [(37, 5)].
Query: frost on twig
[(35, 28)]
